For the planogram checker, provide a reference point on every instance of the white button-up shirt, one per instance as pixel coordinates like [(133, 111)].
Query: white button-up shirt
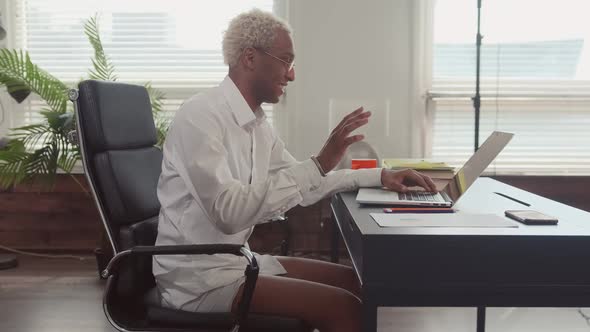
[(224, 171)]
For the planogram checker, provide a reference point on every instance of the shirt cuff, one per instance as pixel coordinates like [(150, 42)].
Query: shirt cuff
[(307, 175), (369, 177)]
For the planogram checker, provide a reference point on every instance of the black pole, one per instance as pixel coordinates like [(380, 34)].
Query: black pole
[(481, 319), (477, 98), (481, 310)]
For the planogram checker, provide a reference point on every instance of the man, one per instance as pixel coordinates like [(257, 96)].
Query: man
[(225, 170)]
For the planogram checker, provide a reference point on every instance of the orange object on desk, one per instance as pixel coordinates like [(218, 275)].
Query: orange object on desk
[(363, 163)]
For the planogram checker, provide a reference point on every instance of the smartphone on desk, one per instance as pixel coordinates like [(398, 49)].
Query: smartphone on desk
[(530, 217)]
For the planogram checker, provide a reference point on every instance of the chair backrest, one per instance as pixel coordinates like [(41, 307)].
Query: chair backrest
[(117, 138)]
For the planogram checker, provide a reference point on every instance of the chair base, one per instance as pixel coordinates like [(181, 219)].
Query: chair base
[(8, 261)]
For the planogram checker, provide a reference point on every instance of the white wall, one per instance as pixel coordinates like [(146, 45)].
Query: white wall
[(7, 104), (352, 53)]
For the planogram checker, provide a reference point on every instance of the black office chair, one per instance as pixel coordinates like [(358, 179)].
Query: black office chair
[(116, 136)]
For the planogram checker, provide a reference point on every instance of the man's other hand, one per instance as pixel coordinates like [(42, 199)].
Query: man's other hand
[(400, 180), (339, 139)]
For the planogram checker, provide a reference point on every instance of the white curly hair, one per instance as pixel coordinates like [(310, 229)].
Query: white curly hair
[(255, 28)]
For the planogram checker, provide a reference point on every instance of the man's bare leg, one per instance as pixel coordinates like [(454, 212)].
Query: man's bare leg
[(325, 295)]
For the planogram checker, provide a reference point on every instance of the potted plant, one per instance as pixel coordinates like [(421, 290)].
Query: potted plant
[(35, 153)]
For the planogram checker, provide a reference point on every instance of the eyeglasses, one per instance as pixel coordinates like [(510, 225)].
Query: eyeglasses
[(289, 65)]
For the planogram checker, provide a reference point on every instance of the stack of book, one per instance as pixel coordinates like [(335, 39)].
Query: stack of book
[(434, 169)]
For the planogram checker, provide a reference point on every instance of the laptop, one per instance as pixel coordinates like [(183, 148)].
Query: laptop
[(456, 187)]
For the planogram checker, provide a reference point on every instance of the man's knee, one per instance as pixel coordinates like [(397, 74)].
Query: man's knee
[(346, 306)]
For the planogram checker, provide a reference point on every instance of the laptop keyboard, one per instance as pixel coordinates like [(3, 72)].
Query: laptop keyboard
[(419, 196)]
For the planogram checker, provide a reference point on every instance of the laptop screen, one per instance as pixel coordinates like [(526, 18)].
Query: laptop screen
[(478, 162)]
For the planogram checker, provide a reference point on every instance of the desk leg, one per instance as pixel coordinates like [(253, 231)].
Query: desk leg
[(334, 252), (481, 319), (369, 317)]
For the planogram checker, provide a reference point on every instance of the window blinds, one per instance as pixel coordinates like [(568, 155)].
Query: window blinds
[(535, 82), (175, 45)]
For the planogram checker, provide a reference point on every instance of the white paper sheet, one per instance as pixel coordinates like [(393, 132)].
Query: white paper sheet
[(441, 220)]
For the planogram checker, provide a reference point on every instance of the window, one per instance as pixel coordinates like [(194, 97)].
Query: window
[(535, 82), (176, 44)]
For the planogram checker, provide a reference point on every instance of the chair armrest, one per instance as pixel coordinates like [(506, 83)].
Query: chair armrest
[(192, 249), (200, 249)]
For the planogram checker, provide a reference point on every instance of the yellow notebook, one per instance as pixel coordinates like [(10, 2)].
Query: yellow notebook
[(417, 164)]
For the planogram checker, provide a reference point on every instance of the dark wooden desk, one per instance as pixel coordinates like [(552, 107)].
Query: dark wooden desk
[(528, 266)]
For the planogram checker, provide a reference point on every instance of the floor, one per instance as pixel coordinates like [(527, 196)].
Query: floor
[(52, 295), (64, 295)]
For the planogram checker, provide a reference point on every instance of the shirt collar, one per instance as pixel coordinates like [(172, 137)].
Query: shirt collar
[(238, 105)]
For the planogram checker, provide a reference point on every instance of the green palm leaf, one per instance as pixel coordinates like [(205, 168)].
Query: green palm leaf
[(29, 135), (11, 167), (103, 68), (160, 119), (18, 165), (68, 154), (37, 151), (162, 126), (156, 97), (18, 72), (41, 166)]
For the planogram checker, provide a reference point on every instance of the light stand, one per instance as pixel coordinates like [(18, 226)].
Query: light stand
[(481, 310), (477, 98)]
